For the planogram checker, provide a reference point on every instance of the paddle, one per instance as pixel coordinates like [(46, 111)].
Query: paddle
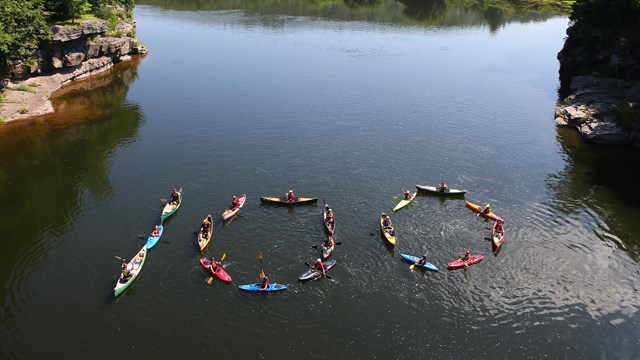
[(323, 273), (414, 265), (261, 268), (118, 257), (224, 255), (316, 246)]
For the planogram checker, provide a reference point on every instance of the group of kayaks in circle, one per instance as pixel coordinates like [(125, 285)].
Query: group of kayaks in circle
[(131, 269), (497, 231)]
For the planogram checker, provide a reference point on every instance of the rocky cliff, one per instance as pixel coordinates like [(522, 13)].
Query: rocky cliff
[(600, 85), (72, 52)]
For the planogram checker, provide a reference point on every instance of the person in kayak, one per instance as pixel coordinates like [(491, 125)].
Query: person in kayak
[(327, 242), (386, 223), (407, 195), (206, 227), (329, 214), (320, 266), (487, 209), (175, 198), (443, 187), (422, 261), (265, 283), (155, 232), (499, 229), (291, 197), (214, 264), (466, 257), (235, 202)]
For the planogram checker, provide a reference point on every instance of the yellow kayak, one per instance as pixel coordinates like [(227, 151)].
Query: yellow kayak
[(405, 202)]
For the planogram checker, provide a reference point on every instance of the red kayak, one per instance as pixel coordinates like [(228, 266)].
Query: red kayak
[(219, 273), (475, 258), (232, 211)]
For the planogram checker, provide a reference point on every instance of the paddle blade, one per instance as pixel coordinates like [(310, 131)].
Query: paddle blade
[(261, 274), (260, 255), (210, 280), (412, 266), (224, 255)]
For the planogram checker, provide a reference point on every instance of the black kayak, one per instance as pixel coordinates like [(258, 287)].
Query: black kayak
[(314, 273), (437, 191)]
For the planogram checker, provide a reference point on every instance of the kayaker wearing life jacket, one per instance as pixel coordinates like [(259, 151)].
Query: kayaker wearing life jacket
[(499, 228), (487, 209), (155, 232), (320, 266), (206, 226), (235, 202), (329, 213), (386, 223), (422, 261), (214, 264), (291, 196), (265, 283), (444, 187), (407, 195)]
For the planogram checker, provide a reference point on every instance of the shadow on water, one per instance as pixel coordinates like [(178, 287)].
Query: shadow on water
[(71, 151), (448, 13)]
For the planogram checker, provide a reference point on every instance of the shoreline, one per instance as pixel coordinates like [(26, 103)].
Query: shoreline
[(20, 105)]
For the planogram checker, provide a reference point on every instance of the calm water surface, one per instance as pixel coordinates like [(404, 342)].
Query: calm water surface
[(353, 112)]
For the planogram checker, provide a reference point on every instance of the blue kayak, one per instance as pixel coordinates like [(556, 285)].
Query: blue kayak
[(413, 259), (256, 287), (153, 240)]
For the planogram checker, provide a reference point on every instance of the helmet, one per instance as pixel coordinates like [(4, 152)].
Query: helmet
[(424, 256), (487, 206), (318, 260), (468, 252), (234, 196), (290, 191)]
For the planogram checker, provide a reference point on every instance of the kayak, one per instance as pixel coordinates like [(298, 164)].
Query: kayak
[(256, 287), (219, 273), (230, 212), (458, 263), (170, 209), (329, 226), (204, 241), (436, 190), (497, 238), (283, 200), (389, 234), (476, 208), (405, 202), (134, 267), (328, 250), (413, 259), (153, 240), (314, 273)]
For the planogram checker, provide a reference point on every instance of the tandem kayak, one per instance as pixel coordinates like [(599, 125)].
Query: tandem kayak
[(205, 239), (169, 209), (314, 273), (405, 202), (134, 267), (478, 209), (388, 232), (283, 200), (413, 259), (227, 214), (153, 240), (256, 287), (219, 272), (436, 190), (328, 250), (473, 259)]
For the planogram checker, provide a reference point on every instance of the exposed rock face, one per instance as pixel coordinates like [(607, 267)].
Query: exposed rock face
[(603, 110)]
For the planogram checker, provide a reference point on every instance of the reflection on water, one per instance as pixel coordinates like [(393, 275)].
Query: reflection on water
[(447, 13)]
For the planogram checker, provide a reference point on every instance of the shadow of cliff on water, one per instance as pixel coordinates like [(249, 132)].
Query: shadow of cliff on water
[(51, 162)]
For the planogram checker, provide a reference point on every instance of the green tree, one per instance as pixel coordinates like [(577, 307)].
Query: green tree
[(22, 26)]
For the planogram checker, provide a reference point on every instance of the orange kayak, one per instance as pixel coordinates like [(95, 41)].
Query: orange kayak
[(478, 209)]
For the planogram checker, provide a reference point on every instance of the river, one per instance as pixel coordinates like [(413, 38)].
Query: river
[(349, 104)]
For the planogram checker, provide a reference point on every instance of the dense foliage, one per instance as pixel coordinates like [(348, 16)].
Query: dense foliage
[(23, 23), (606, 13)]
